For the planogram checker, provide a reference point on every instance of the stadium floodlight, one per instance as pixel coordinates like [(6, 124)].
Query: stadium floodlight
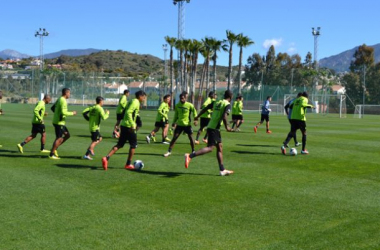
[(41, 33), (316, 32)]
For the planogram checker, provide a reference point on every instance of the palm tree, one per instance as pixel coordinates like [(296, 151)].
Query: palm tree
[(231, 39), (186, 47), (206, 52), (216, 45), (179, 45), (171, 41), (195, 47), (242, 42)]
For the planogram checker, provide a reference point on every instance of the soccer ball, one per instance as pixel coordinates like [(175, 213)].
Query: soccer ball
[(139, 165), (293, 151)]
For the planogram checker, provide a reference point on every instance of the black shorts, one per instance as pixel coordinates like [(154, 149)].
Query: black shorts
[(95, 136), (214, 137), (138, 121), (204, 122), (161, 124), (264, 117), (60, 130), (119, 117), (127, 134), (298, 124), (237, 117), (38, 128), (179, 129)]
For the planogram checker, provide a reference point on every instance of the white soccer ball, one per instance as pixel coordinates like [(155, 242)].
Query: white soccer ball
[(139, 165), (293, 151)]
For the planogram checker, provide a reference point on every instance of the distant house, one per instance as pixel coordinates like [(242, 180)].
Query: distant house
[(336, 89), (115, 88), (148, 87)]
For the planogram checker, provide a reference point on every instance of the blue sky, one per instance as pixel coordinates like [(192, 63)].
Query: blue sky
[(140, 26)]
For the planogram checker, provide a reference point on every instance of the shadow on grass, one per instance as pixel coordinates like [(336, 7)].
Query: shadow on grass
[(89, 137), (18, 155), (253, 153), (256, 145), (76, 166), (166, 174)]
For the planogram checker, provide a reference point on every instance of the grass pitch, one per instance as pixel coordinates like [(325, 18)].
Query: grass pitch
[(326, 200)]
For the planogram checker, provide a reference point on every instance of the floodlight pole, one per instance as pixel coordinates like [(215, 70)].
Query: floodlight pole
[(364, 70), (316, 32), (165, 48), (181, 29), (41, 33)]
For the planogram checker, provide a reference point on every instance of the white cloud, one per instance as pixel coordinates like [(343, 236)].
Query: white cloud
[(292, 50), (275, 42)]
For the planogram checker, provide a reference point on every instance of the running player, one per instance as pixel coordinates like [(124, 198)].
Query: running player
[(221, 110), (120, 112), (182, 117), (237, 113), (94, 115), (62, 134), (205, 118), (288, 112), (127, 131), (162, 121), (265, 110), (298, 121), (38, 126)]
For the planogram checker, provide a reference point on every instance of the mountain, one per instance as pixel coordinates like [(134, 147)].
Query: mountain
[(12, 54), (72, 52), (341, 62)]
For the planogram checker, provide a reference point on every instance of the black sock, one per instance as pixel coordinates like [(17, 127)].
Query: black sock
[(128, 162), (22, 143), (42, 147), (221, 167), (108, 157), (192, 155), (303, 142)]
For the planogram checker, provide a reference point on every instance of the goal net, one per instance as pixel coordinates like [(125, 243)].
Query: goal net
[(324, 104), (361, 109)]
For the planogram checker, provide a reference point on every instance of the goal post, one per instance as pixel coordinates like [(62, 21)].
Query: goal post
[(361, 109)]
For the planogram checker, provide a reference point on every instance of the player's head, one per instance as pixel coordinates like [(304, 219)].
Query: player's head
[(185, 93), (305, 94), (126, 92), (182, 97), (99, 100), (1, 94), (140, 95), (239, 97), (299, 94), (166, 98), (211, 94), (228, 94), (47, 99), (269, 98), (66, 92)]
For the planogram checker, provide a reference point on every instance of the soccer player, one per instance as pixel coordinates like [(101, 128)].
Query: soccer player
[(205, 118), (94, 115), (298, 121), (265, 110), (62, 134), (162, 121), (38, 126), (237, 113), (127, 131), (221, 110), (182, 117), (288, 112), (120, 112)]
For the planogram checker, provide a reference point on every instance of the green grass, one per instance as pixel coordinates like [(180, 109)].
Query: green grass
[(326, 200)]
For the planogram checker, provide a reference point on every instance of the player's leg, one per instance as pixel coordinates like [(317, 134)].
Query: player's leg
[(165, 134), (267, 124), (191, 139), (132, 139), (27, 139), (177, 132), (303, 131)]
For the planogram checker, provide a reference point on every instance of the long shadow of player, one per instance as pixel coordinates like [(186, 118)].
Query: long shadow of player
[(165, 174), (76, 166), (256, 145), (252, 153), (17, 155)]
